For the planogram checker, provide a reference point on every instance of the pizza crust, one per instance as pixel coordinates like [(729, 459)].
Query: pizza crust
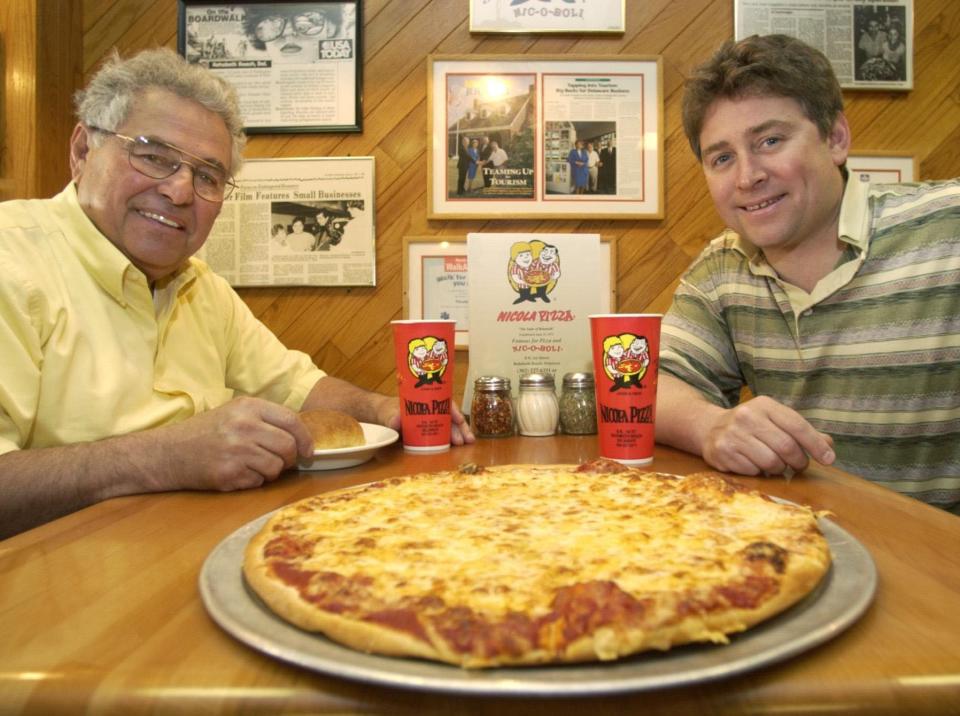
[(457, 567)]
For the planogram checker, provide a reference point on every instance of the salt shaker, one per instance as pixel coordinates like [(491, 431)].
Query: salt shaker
[(538, 410)]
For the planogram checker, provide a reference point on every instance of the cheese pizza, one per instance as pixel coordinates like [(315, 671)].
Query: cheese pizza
[(535, 564)]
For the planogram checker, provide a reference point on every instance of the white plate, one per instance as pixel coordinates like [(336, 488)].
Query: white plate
[(838, 601), (376, 437)]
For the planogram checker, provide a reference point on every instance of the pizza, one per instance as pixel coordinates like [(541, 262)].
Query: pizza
[(535, 564)]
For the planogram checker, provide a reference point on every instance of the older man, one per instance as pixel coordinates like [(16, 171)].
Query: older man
[(127, 365), (834, 301)]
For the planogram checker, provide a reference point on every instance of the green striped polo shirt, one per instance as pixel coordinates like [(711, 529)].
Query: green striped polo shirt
[(871, 356)]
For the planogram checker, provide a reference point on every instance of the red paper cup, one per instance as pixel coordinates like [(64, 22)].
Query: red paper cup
[(626, 355), (424, 352)]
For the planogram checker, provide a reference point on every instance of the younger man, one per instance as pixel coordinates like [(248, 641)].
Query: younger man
[(835, 302)]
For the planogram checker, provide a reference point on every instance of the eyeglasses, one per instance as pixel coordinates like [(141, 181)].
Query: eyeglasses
[(159, 160), (308, 23)]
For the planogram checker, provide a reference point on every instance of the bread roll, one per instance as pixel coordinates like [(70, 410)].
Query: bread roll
[(332, 429)]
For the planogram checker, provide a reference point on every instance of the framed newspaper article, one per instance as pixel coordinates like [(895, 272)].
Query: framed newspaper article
[(542, 136), (297, 222), (513, 16), (435, 280), (882, 167), (297, 66), (869, 44)]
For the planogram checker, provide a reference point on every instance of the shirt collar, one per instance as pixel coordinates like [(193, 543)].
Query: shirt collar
[(102, 259)]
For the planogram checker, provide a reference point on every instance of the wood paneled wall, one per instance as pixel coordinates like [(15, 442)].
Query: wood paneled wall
[(41, 54), (347, 330)]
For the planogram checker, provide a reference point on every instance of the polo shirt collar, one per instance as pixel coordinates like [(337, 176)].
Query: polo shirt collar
[(104, 261)]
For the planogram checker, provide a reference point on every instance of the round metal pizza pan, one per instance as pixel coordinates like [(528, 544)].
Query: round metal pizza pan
[(838, 601)]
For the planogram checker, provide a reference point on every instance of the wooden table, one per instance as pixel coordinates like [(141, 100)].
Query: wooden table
[(100, 610)]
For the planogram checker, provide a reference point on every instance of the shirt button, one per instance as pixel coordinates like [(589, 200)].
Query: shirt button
[(808, 312)]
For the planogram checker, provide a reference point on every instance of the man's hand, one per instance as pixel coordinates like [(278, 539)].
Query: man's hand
[(762, 436), (759, 436), (241, 444), (369, 407), (460, 432)]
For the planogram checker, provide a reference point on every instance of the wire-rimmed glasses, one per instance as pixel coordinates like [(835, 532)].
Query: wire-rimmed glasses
[(159, 160)]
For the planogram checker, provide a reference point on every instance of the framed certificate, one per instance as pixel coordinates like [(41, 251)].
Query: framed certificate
[(297, 66), (882, 167)]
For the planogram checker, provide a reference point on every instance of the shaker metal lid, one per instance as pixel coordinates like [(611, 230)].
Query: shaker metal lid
[(537, 380), (578, 380), (491, 382)]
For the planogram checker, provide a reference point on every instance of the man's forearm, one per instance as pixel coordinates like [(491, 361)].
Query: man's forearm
[(364, 405), (37, 486), (683, 415)]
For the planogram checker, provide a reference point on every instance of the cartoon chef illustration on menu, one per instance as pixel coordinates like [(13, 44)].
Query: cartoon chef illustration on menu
[(427, 359), (533, 270), (625, 360)]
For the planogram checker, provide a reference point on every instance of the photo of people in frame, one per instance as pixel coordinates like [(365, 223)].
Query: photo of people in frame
[(880, 43), (580, 158), (310, 225), (490, 136)]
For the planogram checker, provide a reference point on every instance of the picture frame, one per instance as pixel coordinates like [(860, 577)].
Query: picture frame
[(557, 16), (523, 116), (299, 221), (870, 44), (883, 167), (296, 66), (440, 260)]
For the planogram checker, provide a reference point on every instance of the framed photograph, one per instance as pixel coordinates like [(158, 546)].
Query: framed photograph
[(869, 44), (297, 222), (513, 16), (882, 167), (542, 136), (435, 280), (297, 66)]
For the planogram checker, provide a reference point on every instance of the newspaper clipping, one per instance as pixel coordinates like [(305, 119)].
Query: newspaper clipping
[(548, 137), (869, 44), (293, 64), (297, 222), (586, 117)]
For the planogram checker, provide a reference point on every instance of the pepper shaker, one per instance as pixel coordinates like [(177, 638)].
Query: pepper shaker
[(491, 411)]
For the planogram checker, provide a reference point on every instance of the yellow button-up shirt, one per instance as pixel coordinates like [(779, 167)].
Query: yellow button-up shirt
[(88, 351)]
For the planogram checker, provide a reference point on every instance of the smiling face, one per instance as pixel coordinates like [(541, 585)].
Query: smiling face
[(156, 223), (773, 178)]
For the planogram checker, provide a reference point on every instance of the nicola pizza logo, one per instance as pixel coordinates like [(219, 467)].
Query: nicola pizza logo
[(625, 360), (427, 359), (533, 270)]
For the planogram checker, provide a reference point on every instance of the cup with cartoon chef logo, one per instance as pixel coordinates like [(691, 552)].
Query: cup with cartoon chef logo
[(424, 353), (626, 351)]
